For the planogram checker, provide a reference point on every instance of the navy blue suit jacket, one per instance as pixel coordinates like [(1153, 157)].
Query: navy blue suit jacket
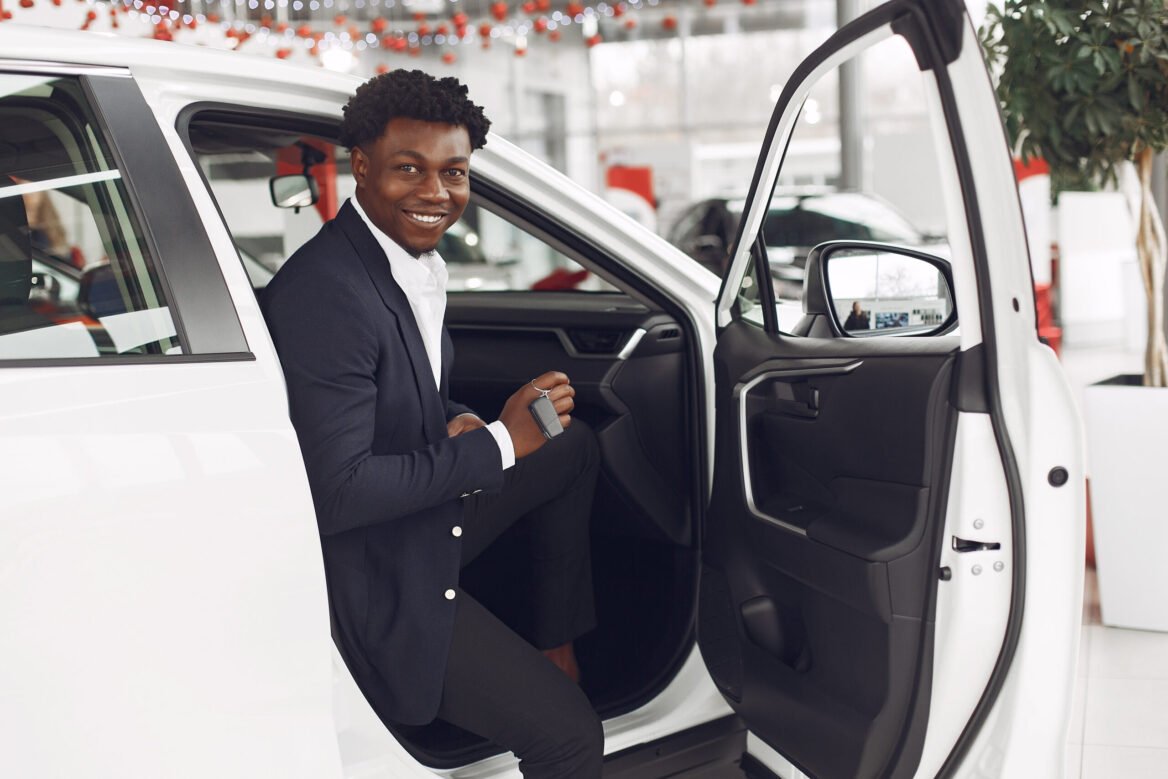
[(386, 480)]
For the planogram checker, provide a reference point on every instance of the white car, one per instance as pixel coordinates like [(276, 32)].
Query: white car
[(815, 554)]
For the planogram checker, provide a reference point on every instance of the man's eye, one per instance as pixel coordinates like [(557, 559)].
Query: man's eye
[(456, 173), (408, 168)]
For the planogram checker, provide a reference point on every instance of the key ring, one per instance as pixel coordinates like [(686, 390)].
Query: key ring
[(543, 392)]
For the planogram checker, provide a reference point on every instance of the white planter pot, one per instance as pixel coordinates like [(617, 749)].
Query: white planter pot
[(1126, 441)]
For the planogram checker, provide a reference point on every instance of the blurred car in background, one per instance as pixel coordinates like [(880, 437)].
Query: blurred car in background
[(798, 221)]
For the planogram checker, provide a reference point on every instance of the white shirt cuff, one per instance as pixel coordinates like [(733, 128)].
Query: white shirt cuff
[(503, 439)]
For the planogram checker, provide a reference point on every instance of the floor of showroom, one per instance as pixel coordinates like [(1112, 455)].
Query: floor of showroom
[(1119, 725)]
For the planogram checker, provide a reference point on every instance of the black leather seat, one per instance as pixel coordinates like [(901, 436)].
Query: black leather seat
[(15, 268)]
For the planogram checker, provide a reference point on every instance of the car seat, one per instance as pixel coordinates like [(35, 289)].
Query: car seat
[(15, 268)]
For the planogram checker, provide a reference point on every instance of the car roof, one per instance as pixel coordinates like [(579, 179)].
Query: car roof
[(53, 46)]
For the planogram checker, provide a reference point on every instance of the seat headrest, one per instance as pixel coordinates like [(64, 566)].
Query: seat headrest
[(15, 252)]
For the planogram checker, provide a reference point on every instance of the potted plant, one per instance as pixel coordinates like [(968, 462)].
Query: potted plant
[(1084, 85)]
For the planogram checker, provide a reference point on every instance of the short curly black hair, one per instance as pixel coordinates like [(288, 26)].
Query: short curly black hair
[(412, 94)]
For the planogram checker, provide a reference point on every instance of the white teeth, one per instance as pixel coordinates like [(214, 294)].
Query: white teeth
[(428, 219)]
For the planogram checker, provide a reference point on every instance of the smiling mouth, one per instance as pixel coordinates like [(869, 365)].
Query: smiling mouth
[(426, 219)]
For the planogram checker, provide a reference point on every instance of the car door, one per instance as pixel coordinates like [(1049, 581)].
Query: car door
[(164, 603), (891, 552)]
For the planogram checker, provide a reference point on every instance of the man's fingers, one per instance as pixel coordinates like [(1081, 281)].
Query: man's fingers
[(562, 391), (565, 421), (549, 380), (564, 405)]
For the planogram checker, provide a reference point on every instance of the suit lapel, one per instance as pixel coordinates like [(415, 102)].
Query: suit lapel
[(447, 361), (376, 264)]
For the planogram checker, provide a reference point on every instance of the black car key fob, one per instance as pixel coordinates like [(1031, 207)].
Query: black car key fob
[(546, 417)]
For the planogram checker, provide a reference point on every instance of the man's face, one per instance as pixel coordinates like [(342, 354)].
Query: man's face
[(413, 181)]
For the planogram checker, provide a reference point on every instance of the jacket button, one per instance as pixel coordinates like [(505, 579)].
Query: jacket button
[(450, 595), (456, 531)]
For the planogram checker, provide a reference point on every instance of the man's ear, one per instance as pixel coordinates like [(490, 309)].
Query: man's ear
[(359, 164)]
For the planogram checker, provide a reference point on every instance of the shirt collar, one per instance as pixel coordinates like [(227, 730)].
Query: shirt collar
[(407, 270)]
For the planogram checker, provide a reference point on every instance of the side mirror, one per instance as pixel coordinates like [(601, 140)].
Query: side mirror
[(871, 289), (293, 191)]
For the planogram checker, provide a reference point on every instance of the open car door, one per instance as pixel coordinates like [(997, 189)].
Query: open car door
[(892, 555)]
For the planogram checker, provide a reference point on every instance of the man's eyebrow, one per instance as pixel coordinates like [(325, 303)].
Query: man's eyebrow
[(419, 156)]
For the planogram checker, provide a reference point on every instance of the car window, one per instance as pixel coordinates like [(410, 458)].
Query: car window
[(483, 251), (889, 191), (512, 258), (77, 277)]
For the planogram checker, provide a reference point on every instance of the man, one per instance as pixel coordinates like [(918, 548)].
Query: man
[(408, 485), (858, 318)]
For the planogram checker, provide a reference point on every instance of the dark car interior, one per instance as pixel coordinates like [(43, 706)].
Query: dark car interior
[(632, 362)]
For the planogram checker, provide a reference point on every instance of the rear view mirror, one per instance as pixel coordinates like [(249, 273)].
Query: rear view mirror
[(293, 191), (878, 289)]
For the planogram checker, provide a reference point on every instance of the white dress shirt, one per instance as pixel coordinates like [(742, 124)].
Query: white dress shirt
[(423, 279)]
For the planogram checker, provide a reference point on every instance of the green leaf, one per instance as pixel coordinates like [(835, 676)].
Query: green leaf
[(1135, 94)]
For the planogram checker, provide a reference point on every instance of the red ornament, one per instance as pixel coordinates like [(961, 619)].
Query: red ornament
[(590, 42), (529, 7), (484, 30), (630, 23), (499, 11), (90, 16), (748, 2), (423, 29), (460, 31), (460, 19), (339, 20), (161, 32), (5, 16), (520, 52), (618, 10), (543, 5), (669, 22), (442, 29), (539, 25), (266, 21), (26, 3), (415, 51), (304, 31), (574, 9), (710, 3), (213, 18), (379, 25), (382, 69), (419, 17), (554, 36), (283, 54), (57, 3), (449, 58), (354, 34), (486, 43), (281, 28)]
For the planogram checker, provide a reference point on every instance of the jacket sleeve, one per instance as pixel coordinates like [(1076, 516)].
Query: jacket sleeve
[(330, 353), (454, 409)]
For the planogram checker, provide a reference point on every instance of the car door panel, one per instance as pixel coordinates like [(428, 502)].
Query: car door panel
[(839, 498), (626, 362)]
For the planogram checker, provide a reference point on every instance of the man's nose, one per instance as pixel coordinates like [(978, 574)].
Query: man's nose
[(432, 188)]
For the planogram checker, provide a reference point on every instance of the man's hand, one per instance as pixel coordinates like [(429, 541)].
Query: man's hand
[(526, 436), (463, 423)]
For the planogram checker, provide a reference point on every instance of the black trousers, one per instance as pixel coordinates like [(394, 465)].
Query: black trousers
[(497, 684)]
